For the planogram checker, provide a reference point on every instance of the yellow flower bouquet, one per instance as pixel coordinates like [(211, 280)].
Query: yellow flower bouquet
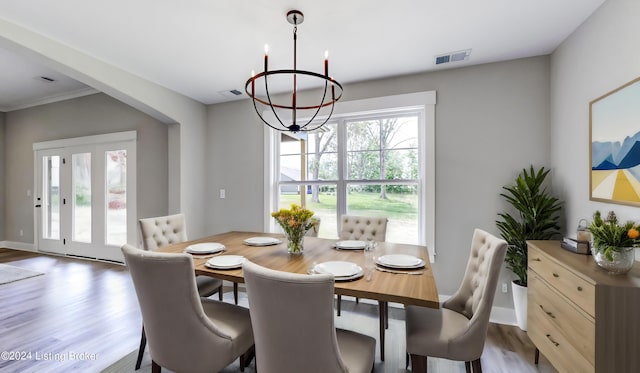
[(295, 222)]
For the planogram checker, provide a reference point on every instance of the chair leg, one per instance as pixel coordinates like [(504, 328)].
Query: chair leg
[(155, 368), (245, 359), (220, 293), (536, 356), (477, 368), (406, 361), (143, 344), (339, 303), (235, 292), (467, 366), (382, 316), (418, 364)]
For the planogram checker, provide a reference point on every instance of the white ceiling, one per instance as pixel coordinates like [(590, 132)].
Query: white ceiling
[(202, 48)]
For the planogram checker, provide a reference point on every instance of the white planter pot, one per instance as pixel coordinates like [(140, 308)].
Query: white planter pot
[(520, 304)]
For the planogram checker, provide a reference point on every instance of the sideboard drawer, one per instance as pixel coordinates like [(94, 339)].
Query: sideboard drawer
[(552, 344), (566, 282), (577, 327)]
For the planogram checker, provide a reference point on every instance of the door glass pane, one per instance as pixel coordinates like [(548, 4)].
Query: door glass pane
[(398, 203), (51, 197), (81, 179), (116, 198)]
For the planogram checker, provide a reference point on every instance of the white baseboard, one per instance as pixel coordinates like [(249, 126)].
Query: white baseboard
[(503, 315), (18, 245), (22, 246)]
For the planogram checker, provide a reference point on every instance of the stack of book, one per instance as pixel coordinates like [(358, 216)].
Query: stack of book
[(573, 245)]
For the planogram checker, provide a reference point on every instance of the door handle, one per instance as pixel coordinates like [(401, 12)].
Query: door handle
[(38, 206)]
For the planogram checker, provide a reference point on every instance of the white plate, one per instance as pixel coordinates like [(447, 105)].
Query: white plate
[(340, 270), (225, 262), (262, 241), (204, 248), (349, 278), (356, 275), (351, 245), (400, 261)]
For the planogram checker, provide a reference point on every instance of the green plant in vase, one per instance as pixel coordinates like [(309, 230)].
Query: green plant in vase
[(613, 243), (609, 236)]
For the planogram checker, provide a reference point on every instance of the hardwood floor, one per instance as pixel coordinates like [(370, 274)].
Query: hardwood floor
[(76, 307), (83, 316)]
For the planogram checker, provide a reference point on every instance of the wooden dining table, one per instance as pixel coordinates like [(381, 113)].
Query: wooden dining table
[(408, 289)]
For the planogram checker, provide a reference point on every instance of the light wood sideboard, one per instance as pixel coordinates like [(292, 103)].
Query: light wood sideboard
[(581, 318)]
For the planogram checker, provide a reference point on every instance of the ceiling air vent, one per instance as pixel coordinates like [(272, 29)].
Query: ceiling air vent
[(453, 57), (231, 93)]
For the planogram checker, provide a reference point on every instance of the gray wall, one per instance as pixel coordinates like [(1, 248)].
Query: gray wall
[(187, 116), (598, 57), (491, 121), (90, 115)]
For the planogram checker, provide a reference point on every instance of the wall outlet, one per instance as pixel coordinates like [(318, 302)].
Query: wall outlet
[(223, 193), (21, 233), (505, 289)]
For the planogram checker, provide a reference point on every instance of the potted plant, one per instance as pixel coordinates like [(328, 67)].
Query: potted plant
[(614, 243), (537, 215)]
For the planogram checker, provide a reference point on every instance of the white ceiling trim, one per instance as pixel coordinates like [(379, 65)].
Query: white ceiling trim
[(50, 99)]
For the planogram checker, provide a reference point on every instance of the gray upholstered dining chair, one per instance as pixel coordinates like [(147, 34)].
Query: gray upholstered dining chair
[(313, 232), (458, 329), (161, 231), (365, 228), (296, 333), (186, 333)]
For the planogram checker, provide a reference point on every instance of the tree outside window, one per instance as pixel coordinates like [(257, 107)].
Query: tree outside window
[(372, 163)]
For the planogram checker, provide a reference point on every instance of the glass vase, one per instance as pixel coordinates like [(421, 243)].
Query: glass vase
[(620, 262), (295, 243)]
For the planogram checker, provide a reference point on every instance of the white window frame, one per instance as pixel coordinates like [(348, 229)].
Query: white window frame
[(422, 102)]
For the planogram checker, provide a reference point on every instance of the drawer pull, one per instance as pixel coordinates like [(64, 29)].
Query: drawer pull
[(535, 259), (579, 288), (556, 275), (547, 312), (552, 341)]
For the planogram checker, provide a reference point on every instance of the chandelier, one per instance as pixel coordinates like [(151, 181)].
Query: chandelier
[(291, 114)]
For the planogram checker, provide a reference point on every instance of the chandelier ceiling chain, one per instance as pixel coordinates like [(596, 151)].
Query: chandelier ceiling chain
[(330, 95)]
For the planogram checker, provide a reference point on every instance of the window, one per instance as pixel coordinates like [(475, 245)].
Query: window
[(373, 162)]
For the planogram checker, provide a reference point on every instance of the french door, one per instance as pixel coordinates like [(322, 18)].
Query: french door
[(85, 195)]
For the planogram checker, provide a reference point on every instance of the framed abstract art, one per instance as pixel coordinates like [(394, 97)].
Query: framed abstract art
[(615, 145)]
